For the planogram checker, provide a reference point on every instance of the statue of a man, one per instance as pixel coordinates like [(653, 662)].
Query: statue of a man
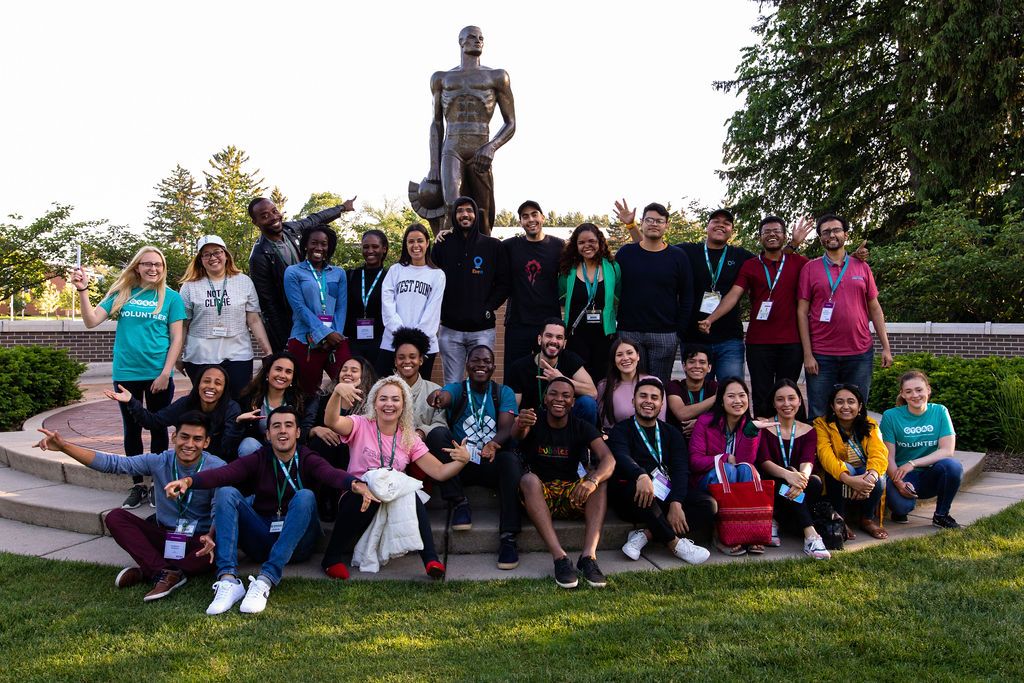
[(461, 149)]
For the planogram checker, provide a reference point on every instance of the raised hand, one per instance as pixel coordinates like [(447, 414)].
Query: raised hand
[(624, 213)]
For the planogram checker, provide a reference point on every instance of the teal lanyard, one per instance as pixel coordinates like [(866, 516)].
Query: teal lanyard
[(219, 300), (183, 505), (282, 485), (857, 450), (478, 415), (380, 449), (591, 286), (696, 400), (730, 442), (321, 284), (778, 274), (655, 450), (721, 262), (363, 291), (828, 273), (786, 455)]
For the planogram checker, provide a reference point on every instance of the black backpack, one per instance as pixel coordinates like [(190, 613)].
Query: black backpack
[(829, 525)]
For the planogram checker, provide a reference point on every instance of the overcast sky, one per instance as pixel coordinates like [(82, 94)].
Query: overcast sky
[(103, 99)]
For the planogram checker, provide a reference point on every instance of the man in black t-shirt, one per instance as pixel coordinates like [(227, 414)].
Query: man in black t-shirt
[(532, 260), (528, 377), (651, 482), (563, 480)]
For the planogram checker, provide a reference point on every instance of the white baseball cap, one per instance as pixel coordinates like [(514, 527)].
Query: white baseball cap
[(210, 239)]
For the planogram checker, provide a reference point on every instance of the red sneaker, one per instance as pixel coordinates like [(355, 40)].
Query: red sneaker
[(435, 569), (337, 571)]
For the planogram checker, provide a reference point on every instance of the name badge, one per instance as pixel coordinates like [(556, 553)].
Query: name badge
[(423, 496), (593, 316), (474, 454), (710, 302), (186, 527), (220, 331), (276, 526), (765, 310), (826, 312), (174, 546), (326, 320), (581, 470), (364, 328), (662, 485)]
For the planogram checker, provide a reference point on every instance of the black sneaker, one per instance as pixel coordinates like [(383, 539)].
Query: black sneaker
[(591, 572), (508, 553), (945, 522), (462, 517), (899, 519), (565, 575), (136, 497)]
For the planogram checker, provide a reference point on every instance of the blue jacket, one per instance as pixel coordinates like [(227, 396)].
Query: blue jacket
[(300, 287)]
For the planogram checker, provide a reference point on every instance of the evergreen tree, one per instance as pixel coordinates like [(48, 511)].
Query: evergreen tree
[(279, 200), (174, 216), (229, 188)]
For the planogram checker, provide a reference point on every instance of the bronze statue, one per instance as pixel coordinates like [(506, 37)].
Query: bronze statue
[(461, 150)]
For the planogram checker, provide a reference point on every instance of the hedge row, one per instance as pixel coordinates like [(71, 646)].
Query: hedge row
[(34, 379), (967, 387)]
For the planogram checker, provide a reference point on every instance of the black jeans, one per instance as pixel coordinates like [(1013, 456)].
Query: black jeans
[(520, 341), (768, 363), (239, 374), (158, 441), (856, 508), (698, 507), (789, 513), (351, 523), (502, 474)]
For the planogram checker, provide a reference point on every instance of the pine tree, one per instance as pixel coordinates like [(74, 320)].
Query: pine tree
[(279, 200), (229, 188), (174, 215)]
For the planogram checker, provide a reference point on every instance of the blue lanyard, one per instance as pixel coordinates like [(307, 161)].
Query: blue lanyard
[(380, 448), (778, 274), (591, 286), (183, 507), (219, 301), (828, 273), (786, 456), (656, 454), (692, 399), (721, 262), (287, 479), (857, 450), (730, 442), (366, 294), (321, 284), (478, 415)]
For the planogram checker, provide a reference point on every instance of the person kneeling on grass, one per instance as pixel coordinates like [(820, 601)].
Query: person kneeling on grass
[(179, 542), (559, 481), (652, 477), (280, 525), (385, 438)]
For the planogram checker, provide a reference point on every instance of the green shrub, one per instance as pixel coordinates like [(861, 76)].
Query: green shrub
[(967, 387), (34, 379), (1010, 408)]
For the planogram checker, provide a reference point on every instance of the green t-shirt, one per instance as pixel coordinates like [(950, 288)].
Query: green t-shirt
[(915, 436), (142, 339)]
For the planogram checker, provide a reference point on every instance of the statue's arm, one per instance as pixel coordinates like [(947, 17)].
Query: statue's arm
[(436, 127), (507, 107)]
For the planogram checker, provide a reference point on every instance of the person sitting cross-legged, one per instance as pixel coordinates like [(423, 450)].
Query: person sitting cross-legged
[(178, 543), (482, 412), (651, 482), (280, 524), (561, 479)]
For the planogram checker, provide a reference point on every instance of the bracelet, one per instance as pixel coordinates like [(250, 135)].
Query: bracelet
[(911, 463), (592, 480), (81, 289), (630, 225)]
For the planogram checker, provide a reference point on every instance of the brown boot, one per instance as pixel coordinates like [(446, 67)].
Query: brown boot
[(169, 580)]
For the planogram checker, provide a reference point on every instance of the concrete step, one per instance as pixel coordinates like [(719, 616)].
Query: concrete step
[(483, 537)]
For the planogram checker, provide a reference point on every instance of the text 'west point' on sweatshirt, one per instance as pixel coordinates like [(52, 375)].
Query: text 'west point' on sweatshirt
[(411, 297)]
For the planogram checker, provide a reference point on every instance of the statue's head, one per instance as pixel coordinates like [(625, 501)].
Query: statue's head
[(471, 40)]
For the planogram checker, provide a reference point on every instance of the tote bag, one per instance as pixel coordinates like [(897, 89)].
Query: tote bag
[(744, 509)]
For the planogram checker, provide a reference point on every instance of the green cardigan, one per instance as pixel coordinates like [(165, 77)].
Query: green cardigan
[(612, 283)]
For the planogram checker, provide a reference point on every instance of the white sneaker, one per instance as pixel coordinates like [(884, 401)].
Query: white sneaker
[(687, 551), (228, 592), (815, 547), (635, 542), (776, 541), (255, 600)]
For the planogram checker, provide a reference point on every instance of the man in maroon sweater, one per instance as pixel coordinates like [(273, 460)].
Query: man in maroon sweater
[(281, 523)]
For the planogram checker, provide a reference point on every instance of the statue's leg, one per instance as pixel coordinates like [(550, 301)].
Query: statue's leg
[(451, 183), (480, 186)]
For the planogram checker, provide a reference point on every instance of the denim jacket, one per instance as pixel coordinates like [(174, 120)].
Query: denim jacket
[(300, 287)]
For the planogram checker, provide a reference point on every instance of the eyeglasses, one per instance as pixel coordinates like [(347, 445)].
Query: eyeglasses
[(151, 265), (210, 255), (655, 221)]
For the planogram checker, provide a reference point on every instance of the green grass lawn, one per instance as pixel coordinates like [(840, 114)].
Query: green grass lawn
[(945, 607)]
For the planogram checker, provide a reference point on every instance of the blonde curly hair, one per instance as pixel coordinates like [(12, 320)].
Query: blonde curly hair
[(407, 435)]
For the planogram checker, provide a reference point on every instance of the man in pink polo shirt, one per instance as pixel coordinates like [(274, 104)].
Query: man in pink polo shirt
[(836, 298)]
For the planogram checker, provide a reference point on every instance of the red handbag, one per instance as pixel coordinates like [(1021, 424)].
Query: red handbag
[(744, 509)]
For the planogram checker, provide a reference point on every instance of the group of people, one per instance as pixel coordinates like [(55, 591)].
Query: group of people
[(589, 413)]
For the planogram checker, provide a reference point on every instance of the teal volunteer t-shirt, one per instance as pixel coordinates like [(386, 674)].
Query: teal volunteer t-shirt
[(915, 436), (143, 337)]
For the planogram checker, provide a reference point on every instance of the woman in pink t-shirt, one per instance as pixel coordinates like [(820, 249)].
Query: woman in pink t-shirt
[(384, 437), (615, 392)]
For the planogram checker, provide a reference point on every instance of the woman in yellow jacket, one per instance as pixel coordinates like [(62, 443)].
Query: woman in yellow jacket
[(853, 458)]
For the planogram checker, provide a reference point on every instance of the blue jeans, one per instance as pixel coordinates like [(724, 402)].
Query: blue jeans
[(238, 524), (248, 446), (585, 408), (736, 474), (454, 347), (727, 359), (940, 480), (834, 370)]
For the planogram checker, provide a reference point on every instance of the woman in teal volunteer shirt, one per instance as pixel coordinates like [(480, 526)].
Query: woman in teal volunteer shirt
[(147, 343), (921, 441)]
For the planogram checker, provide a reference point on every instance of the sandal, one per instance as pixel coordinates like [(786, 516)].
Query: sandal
[(848, 534), (731, 551), (873, 528), (755, 549)]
